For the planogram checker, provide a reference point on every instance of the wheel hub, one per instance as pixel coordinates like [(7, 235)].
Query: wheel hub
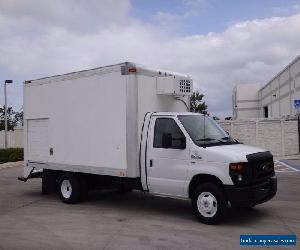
[(207, 204), (66, 189)]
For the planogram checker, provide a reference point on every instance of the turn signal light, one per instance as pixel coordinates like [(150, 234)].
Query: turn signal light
[(237, 167)]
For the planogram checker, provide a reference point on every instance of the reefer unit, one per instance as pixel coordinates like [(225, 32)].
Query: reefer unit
[(90, 121)]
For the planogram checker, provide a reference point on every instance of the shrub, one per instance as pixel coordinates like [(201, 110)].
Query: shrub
[(11, 154)]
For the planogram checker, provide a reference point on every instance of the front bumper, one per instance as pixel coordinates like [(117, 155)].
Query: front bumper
[(251, 195)]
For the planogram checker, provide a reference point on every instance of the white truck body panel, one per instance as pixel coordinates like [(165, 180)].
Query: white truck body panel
[(94, 119)]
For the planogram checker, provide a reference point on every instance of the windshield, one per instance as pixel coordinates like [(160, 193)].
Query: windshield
[(204, 131)]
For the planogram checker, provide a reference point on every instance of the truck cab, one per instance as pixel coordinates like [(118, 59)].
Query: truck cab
[(188, 155)]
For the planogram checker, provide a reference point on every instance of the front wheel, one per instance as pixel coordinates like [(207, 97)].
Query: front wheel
[(209, 203)]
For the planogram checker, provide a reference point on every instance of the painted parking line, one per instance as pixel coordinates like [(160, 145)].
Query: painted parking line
[(294, 163), (283, 167)]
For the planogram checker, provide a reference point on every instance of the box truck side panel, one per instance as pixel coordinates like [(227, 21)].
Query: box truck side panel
[(87, 121)]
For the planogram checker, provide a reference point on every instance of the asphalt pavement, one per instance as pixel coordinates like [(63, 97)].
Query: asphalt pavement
[(110, 220)]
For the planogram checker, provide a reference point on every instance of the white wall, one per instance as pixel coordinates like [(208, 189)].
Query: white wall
[(14, 138), (278, 136), (278, 95), (246, 101)]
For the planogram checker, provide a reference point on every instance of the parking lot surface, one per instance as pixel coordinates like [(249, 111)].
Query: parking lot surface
[(110, 220)]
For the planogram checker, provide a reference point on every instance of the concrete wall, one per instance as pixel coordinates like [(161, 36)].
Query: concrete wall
[(278, 136), (14, 138)]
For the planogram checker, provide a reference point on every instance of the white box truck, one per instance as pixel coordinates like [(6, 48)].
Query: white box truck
[(129, 127)]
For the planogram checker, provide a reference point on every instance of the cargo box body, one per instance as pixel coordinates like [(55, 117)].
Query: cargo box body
[(90, 121)]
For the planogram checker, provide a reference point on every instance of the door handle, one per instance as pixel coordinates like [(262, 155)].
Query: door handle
[(198, 157), (151, 163)]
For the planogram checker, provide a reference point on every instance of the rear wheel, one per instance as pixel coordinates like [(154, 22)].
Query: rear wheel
[(209, 203), (69, 188)]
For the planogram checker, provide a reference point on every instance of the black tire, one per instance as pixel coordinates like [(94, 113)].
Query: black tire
[(84, 189), (48, 181), (69, 188), (246, 208), (214, 203), (124, 190)]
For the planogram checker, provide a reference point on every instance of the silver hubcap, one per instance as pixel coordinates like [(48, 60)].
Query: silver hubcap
[(66, 189), (207, 204)]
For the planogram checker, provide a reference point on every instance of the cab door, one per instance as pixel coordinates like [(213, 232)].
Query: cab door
[(167, 157)]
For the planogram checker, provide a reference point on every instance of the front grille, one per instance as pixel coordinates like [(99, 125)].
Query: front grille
[(261, 165)]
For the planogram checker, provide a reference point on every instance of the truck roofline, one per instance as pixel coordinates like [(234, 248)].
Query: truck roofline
[(140, 69), (174, 113)]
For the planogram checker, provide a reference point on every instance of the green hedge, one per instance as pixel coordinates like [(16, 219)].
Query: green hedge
[(11, 154)]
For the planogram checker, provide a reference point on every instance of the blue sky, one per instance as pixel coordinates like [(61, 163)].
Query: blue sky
[(219, 43), (204, 16)]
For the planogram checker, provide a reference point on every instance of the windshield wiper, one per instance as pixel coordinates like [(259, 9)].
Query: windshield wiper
[(222, 140), (207, 139)]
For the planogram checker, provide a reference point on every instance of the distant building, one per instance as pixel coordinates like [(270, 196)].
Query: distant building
[(274, 100), (245, 101)]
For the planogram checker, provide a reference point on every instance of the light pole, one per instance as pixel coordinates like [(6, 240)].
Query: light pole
[(5, 111)]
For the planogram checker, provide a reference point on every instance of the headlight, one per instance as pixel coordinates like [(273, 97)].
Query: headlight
[(239, 173), (240, 177)]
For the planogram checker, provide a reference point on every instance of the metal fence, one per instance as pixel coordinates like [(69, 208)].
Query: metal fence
[(14, 138), (278, 136)]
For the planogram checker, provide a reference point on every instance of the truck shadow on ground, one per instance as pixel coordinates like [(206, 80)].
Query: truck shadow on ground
[(150, 205)]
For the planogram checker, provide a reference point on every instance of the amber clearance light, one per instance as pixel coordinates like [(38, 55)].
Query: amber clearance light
[(132, 70)]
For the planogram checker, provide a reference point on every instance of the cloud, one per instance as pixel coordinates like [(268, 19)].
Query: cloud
[(79, 15), (37, 44)]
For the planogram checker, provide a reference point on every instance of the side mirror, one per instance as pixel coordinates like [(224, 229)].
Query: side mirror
[(182, 143), (166, 140)]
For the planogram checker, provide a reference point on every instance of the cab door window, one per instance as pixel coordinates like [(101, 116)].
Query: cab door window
[(168, 128)]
